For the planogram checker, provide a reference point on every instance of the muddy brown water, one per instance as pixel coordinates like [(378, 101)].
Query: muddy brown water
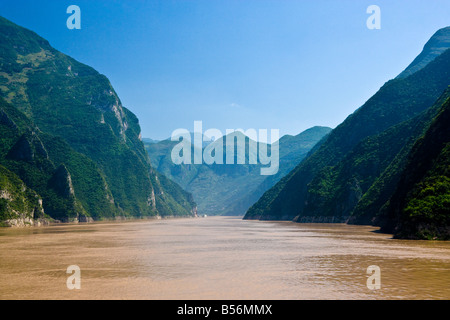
[(218, 258)]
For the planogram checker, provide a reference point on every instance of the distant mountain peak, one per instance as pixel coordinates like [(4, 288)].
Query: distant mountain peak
[(437, 44)]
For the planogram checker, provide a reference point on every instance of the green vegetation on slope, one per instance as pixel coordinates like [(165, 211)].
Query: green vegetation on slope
[(35, 157), (367, 211), (230, 189), (420, 205), (16, 200), (397, 101), (79, 121), (337, 190)]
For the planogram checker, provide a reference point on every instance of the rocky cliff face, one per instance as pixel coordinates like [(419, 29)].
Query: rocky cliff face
[(77, 120), (19, 205)]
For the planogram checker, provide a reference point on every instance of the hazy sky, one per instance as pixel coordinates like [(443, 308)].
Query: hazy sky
[(278, 64)]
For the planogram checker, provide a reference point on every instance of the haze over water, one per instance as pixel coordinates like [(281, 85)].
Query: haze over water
[(218, 258)]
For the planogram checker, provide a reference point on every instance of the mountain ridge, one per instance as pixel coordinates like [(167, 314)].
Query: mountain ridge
[(243, 182), (398, 100), (438, 43), (74, 103)]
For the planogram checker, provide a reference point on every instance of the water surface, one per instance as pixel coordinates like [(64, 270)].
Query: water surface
[(219, 258)]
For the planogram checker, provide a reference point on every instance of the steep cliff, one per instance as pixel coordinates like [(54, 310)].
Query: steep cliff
[(331, 181), (78, 121), (420, 205)]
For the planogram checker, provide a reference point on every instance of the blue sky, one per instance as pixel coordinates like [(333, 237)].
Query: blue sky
[(278, 64)]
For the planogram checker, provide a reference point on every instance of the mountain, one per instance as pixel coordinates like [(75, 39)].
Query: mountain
[(19, 205), (148, 140), (420, 205), (72, 112), (369, 208), (230, 189), (328, 184), (293, 149), (48, 168), (338, 190), (437, 44)]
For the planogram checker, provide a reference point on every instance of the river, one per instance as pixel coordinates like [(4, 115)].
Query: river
[(218, 258)]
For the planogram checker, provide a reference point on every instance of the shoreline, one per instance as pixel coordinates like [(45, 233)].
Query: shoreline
[(23, 223)]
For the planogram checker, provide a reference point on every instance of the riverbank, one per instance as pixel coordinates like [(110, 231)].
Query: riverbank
[(26, 222)]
